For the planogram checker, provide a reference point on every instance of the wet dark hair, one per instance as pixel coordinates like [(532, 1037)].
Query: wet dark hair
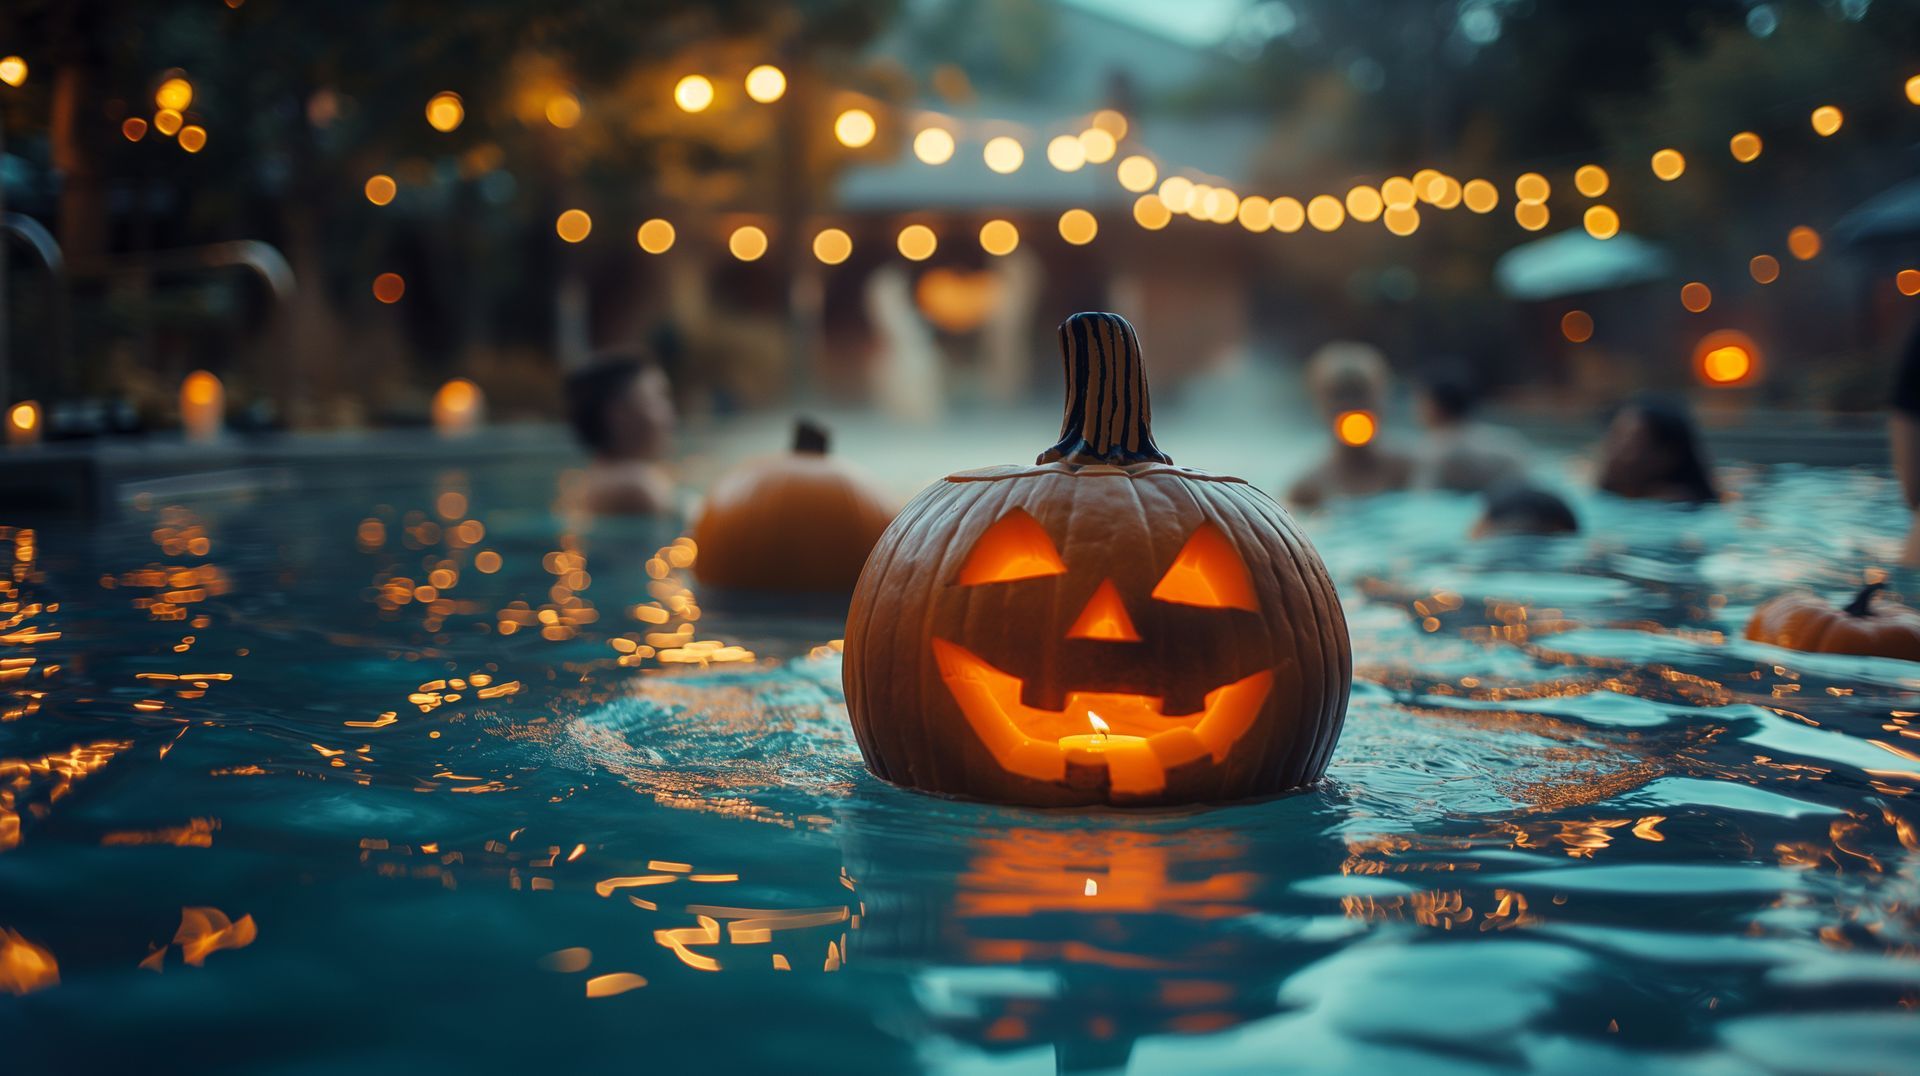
[(589, 388), (1518, 508), (1906, 377), (1450, 390), (1670, 425)]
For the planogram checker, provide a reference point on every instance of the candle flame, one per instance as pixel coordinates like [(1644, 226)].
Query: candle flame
[(1092, 888), (1099, 724)]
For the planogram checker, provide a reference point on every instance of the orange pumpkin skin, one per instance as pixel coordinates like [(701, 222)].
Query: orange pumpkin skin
[(1807, 622), (1008, 608), (802, 522)]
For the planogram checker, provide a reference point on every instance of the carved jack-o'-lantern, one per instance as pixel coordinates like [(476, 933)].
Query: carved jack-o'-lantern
[(1101, 627)]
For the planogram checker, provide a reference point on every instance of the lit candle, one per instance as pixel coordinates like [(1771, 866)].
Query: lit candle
[(458, 408), (23, 423), (1130, 762), (203, 405)]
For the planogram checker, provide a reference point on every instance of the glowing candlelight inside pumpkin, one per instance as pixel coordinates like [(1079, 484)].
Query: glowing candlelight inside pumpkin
[(1100, 727), (203, 405), (457, 408), (23, 423)]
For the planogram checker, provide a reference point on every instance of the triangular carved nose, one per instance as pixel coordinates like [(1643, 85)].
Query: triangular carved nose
[(1105, 617)]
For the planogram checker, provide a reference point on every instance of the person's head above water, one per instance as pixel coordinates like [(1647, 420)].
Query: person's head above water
[(1447, 395), (1652, 451), (1523, 509), (621, 407), (1349, 378)]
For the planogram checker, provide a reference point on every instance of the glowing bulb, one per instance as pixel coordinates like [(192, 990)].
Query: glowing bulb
[(1078, 227), (1177, 193), (444, 111), (934, 145), (1532, 216), (133, 128), (175, 93), (1223, 206), (1151, 213), (1695, 296), (1480, 195), (1137, 174), (1398, 193), (916, 242), (167, 121), (1114, 123), (563, 110), (855, 128), (999, 237), (1288, 214), (1004, 154), (193, 138), (1602, 222), (1364, 204), (655, 236), (1591, 180), (573, 225), (1066, 153), (1577, 326), (1765, 268), (766, 84), (1355, 428), (1444, 192), (1668, 164), (381, 189), (1804, 243), (1325, 212), (1256, 213), (1098, 145), (13, 70), (1744, 146), (747, 243), (1826, 121), (1425, 183), (832, 246), (693, 93), (1532, 188), (1402, 220), (389, 287)]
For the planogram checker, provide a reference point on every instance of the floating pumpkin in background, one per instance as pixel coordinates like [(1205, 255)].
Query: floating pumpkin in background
[(798, 522), (1807, 622), (1101, 627)]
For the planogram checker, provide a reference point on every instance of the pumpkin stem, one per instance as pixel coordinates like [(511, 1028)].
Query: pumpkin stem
[(1859, 606), (809, 438), (1108, 418)]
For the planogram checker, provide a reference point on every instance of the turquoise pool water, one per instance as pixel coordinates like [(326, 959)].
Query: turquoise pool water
[(545, 817)]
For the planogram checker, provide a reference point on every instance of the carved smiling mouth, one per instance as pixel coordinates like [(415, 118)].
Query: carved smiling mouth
[(1139, 745)]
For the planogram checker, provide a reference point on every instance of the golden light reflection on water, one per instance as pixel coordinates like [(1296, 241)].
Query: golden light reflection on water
[(24, 966)]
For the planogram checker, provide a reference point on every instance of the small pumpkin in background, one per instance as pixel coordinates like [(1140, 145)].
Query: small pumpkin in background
[(1100, 627), (801, 522), (1808, 622)]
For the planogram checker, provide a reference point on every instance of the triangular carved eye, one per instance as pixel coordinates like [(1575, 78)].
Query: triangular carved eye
[(1013, 548), (1208, 572)]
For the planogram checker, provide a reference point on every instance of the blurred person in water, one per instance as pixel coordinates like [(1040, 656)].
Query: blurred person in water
[(1461, 453), (1651, 451), (1518, 508), (1349, 382), (1903, 438), (621, 409)]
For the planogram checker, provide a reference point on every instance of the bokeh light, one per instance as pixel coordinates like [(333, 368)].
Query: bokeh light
[(855, 128), (1532, 216), (573, 225), (1364, 204), (1004, 154), (933, 145), (655, 236), (563, 110), (1695, 296), (1288, 214), (1826, 121), (168, 122), (1402, 220), (445, 111), (1066, 153), (193, 138), (23, 423), (133, 128), (1913, 86), (1726, 358), (13, 70), (1151, 213), (1256, 213), (747, 243), (1601, 221), (916, 242), (1590, 180), (1480, 196), (1177, 193), (766, 84), (1355, 428), (175, 93), (1803, 243), (1532, 188), (1398, 193), (1577, 326), (832, 245), (1443, 192), (693, 93), (389, 287), (1765, 268), (1325, 212), (1078, 227), (1098, 145), (1111, 122), (1908, 281), (1669, 164), (1137, 174), (999, 237), (381, 189), (1744, 146)]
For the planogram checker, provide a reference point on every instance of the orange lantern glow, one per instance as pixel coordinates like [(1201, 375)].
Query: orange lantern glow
[(203, 406), (1726, 358), (1020, 635), (24, 423), (458, 408), (1355, 428)]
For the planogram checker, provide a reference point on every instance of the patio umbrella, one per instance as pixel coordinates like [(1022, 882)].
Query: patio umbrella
[(1892, 216), (1574, 262)]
